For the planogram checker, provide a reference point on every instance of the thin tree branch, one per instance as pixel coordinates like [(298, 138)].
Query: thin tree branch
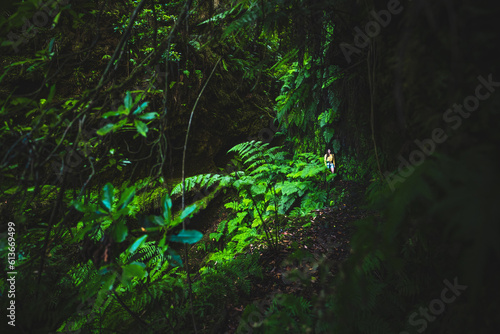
[(184, 191), (187, 134)]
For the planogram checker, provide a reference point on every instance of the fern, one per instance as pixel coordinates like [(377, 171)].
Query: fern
[(272, 184), (200, 181), (149, 252), (249, 151)]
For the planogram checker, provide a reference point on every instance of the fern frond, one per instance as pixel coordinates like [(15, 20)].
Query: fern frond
[(149, 252), (190, 183), (249, 149), (255, 163), (202, 181)]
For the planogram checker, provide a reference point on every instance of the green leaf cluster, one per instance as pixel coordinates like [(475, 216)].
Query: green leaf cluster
[(125, 113)]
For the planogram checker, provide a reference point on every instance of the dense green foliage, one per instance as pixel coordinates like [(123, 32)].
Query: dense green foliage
[(270, 188), (113, 152)]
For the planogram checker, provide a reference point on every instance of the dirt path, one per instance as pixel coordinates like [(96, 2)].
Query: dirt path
[(324, 238)]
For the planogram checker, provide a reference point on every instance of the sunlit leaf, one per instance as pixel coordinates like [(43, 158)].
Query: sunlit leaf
[(149, 116), (167, 205), (105, 129), (107, 196), (187, 237), (56, 19), (188, 211), (141, 127), (140, 108), (112, 113), (138, 243), (126, 197), (215, 236), (128, 101)]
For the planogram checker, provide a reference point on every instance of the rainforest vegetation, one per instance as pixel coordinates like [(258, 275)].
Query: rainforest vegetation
[(162, 166)]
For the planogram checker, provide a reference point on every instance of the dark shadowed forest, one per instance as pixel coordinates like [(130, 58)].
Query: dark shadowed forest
[(250, 166)]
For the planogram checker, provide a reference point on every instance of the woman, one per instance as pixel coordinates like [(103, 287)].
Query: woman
[(330, 161)]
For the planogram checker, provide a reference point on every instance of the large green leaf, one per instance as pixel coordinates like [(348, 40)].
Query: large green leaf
[(130, 271), (107, 196), (120, 231), (161, 243), (137, 243), (187, 237), (128, 101), (188, 211), (167, 206), (126, 197)]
